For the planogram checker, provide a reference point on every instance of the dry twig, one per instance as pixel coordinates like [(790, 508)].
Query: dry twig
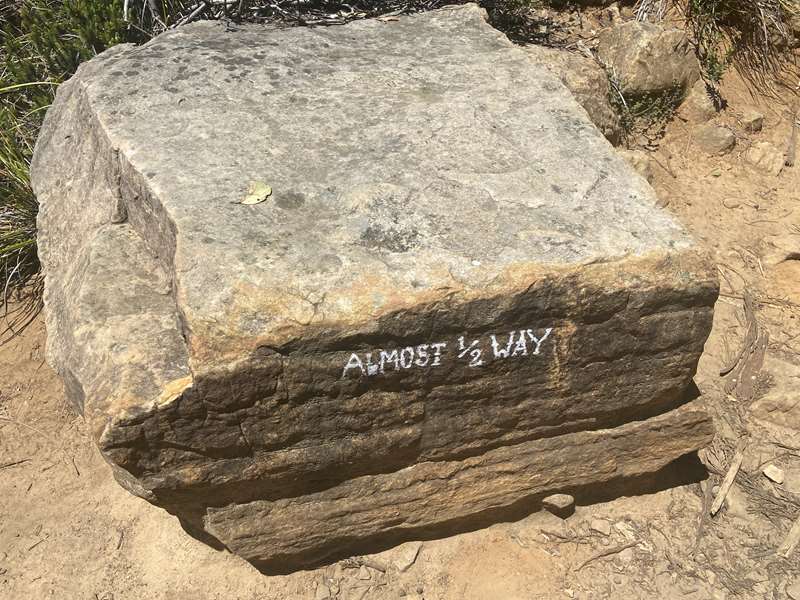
[(791, 150), (606, 552), (730, 476)]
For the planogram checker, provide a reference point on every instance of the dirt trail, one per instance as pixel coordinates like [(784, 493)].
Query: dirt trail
[(67, 530)]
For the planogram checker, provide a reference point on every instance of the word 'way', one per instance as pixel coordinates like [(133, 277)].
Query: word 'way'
[(476, 353)]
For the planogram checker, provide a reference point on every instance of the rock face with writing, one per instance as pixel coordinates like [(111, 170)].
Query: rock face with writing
[(318, 290)]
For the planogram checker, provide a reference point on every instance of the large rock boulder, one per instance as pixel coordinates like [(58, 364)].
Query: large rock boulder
[(648, 59), (587, 81), (314, 288)]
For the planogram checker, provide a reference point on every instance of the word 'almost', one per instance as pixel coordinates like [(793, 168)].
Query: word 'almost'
[(518, 343)]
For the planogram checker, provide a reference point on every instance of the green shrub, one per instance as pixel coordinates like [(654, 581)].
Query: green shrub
[(42, 42)]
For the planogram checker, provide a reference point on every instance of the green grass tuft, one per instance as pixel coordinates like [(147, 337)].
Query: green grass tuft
[(42, 42)]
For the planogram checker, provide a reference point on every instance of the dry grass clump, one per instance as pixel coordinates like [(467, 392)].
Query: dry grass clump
[(752, 35)]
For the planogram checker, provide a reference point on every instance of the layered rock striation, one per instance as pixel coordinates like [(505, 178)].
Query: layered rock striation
[(449, 295)]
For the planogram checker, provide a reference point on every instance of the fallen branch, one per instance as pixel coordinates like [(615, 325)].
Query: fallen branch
[(745, 367), (750, 336), (15, 463), (604, 553), (730, 476), (701, 524), (791, 150)]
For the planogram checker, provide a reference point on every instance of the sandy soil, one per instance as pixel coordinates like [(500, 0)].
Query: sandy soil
[(67, 530)]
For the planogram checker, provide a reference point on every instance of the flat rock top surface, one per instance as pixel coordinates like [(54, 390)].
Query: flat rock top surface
[(408, 160)]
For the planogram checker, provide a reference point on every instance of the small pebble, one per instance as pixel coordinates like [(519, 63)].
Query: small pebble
[(561, 505), (752, 120), (601, 526), (774, 473)]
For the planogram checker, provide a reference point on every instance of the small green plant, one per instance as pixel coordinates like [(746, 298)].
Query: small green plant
[(521, 21), (19, 264), (643, 117), (42, 42)]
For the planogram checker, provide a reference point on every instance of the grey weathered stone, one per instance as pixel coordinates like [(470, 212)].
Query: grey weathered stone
[(587, 81), (601, 526), (456, 297), (766, 157), (714, 139), (752, 120), (648, 59), (774, 473)]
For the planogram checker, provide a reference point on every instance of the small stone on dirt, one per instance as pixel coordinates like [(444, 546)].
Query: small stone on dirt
[(561, 505), (647, 58), (780, 248), (793, 590), (406, 555), (766, 157), (752, 120), (698, 106), (715, 139), (601, 526), (774, 473)]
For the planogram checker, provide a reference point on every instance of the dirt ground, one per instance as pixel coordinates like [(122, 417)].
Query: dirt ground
[(67, 530)]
